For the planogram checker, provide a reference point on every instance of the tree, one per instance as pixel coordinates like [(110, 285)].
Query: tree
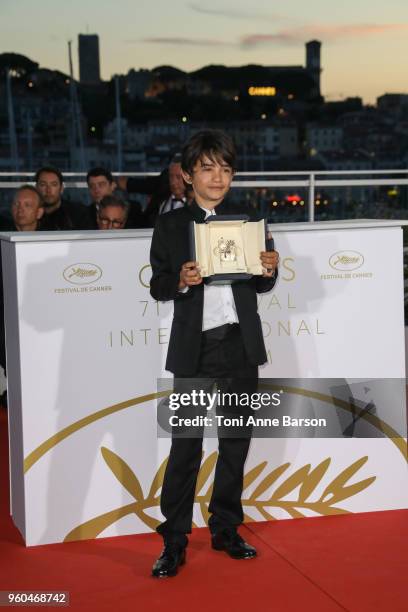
[(21, 64)]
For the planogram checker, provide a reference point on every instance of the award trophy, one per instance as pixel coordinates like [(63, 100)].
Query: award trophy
[(227, 247)]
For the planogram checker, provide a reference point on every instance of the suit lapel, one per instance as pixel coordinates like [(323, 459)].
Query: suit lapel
[(197, 213), (222, 208)]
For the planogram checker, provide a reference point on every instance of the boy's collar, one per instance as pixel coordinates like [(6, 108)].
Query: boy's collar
[(199, 214)]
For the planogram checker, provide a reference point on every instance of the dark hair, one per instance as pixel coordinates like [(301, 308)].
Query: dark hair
[(214, 144), (29, 188), (111, 200), (99, 172), (50, 169)]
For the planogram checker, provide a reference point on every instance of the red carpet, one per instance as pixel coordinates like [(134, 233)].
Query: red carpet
[(351, 562)]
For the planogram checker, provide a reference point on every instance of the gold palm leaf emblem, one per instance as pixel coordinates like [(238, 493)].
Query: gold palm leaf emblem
[(294, 495)]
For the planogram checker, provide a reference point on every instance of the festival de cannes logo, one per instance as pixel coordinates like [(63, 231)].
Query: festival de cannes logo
[(346, 261), (82, 273)]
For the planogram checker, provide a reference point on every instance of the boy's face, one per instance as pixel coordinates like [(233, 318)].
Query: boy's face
[(210, 180)]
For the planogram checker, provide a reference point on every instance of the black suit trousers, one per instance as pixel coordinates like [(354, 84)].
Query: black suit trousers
[(223, 362)]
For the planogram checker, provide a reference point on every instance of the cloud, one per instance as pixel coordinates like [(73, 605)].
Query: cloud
[(176, 40), (334, 32), (326, 33), (231, 13), (287, 37), (283, 38)]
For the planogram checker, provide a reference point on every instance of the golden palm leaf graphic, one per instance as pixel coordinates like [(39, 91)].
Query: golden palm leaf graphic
[(294, 494)]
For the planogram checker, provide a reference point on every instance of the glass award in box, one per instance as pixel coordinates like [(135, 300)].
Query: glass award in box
[(227, 247)]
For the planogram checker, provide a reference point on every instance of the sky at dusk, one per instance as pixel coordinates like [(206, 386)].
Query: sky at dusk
[(364, 52)]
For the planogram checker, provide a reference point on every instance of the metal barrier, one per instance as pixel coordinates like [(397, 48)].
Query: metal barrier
[(304, 179)]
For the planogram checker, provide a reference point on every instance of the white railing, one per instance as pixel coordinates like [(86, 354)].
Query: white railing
[(310, 180)]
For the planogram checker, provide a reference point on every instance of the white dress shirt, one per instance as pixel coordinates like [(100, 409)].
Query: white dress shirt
[(219, 305)]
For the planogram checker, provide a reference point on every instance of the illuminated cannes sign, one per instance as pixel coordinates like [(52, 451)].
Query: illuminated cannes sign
[(262, 91)]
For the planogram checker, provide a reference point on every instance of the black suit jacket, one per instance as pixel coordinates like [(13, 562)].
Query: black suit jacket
[(69, 216), (169, 251)]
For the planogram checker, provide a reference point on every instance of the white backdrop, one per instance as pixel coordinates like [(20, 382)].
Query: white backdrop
[(92, 343)]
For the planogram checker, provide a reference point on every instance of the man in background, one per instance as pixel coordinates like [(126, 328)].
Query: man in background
[(27, 209), (59, 215), (112, 213), (177, 189), (102, 184), (167, 191)]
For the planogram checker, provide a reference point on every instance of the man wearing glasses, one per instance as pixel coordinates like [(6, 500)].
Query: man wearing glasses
[(112, 213)]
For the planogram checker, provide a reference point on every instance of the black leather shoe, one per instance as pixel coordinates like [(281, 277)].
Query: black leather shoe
[(233, 544), (173, 555)]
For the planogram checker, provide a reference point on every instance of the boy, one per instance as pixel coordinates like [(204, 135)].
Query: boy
[(217, 336)]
